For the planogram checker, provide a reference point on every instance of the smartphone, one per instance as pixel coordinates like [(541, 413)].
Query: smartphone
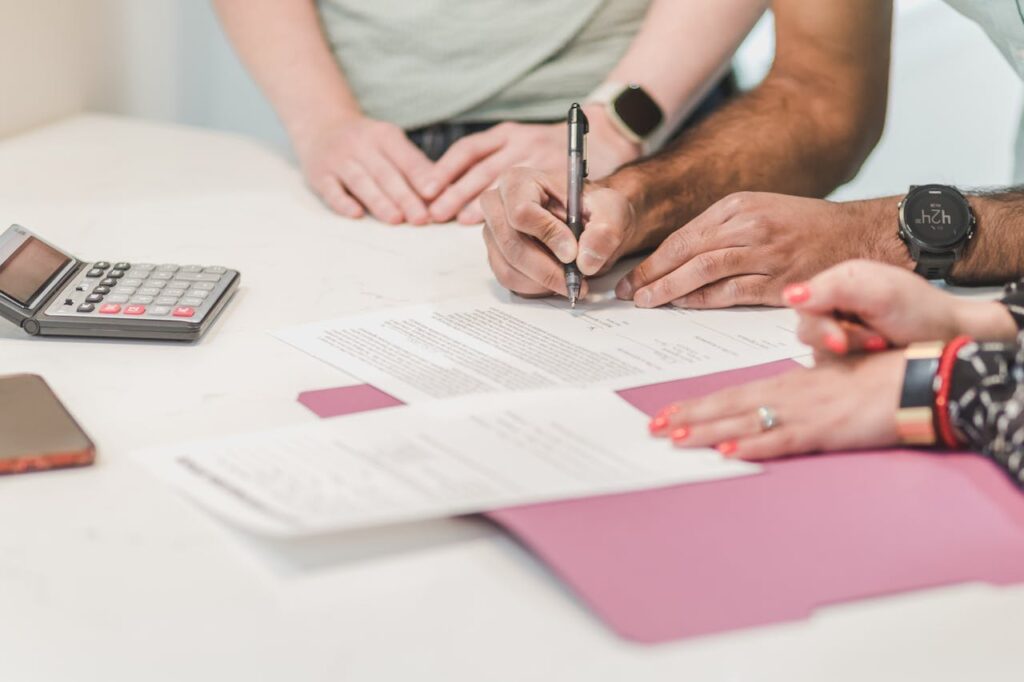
[(36, 431)]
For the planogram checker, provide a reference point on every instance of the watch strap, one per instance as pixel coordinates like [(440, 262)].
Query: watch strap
[(935, 265), (1013, 299), (915, 419)]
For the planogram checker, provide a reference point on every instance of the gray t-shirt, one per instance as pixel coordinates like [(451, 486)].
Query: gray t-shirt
[(417, 62), (1003, 21)]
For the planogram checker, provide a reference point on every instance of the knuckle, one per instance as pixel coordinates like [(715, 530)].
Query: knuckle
[(706, 266), (678, 246), (521, 214), (739, 202)]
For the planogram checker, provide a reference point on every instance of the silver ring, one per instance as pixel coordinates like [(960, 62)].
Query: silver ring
[(769, 420)]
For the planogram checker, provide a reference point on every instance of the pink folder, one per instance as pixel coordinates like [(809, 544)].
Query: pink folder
[(690, 560)]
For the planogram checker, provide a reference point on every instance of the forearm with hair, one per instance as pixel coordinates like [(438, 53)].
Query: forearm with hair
[(996, 254), (780, 137)]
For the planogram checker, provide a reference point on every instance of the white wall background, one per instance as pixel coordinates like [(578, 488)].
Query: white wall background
[(953, 109)]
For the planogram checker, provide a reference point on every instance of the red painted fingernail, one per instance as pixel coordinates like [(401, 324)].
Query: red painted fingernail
[(796, 293), (876, 343), (726, 448), (680, 434), (836, 344), (657, 424)]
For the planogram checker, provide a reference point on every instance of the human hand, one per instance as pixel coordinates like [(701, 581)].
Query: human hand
[(528, 241), (844, 405), (863, 305), (473, 164), (746, 247), (359, 165)]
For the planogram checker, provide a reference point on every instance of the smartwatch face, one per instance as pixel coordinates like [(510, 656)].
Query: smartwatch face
[(637, 110), (937, 216)]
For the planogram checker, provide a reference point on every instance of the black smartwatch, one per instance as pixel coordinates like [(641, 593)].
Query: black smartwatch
[(936, 223)]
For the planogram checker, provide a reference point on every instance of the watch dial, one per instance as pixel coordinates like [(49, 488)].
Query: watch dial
[(636, 108), (936, 217)]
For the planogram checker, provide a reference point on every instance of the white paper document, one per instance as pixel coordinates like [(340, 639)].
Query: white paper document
[(484, 345), (427, 461)]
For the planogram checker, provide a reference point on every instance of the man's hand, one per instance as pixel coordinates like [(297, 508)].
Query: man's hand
[(473, 164), (747, 247), (528, 241), (359, 165)]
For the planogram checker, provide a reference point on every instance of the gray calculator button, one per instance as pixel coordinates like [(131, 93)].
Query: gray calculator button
[(149, 291), (102, 265), (122, 266), (161, 275), (167, 267), (215, 270), (159, 310), (123, 291), (93, 298), (166, 300), (177, 292), (108, 282), (95, 272), (117, 298), (86, 308), (155, 283), (208, 277), (188, 276), (141, 300), (102, 290), (131, 282), (145, 267), (191, 268), (204, 286), (192, 302), (197, 293)]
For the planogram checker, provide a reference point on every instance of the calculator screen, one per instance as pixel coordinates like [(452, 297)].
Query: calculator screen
[(29, 268)]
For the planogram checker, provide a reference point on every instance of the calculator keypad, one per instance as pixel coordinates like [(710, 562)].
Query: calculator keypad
[(142, 290)]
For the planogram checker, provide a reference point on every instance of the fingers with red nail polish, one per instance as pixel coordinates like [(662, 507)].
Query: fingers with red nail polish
[(795, 294), (658, 424), (679, 435), (727, 448)]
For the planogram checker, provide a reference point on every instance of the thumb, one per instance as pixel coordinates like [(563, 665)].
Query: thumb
[(609, 217)]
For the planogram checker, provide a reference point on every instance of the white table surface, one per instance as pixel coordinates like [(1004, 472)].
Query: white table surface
[(107, 575)]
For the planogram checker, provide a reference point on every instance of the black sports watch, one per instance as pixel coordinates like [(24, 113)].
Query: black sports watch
[(936, 223)]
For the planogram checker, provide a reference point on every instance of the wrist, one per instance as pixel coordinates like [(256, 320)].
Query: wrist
[(984, 320), (306, 131), (607, 137), (881, 216)]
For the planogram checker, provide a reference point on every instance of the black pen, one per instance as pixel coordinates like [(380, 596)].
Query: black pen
[(578, 128)]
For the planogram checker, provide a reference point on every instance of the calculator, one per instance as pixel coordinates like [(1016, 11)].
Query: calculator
[(48, 292)]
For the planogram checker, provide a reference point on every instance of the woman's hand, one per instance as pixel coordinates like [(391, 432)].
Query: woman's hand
[(864, 305), (359, 164), (844, 405), (475, 163)]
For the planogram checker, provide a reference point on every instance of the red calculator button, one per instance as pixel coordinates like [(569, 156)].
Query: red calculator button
[(110, 309), (184, 311), (135, 310)]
